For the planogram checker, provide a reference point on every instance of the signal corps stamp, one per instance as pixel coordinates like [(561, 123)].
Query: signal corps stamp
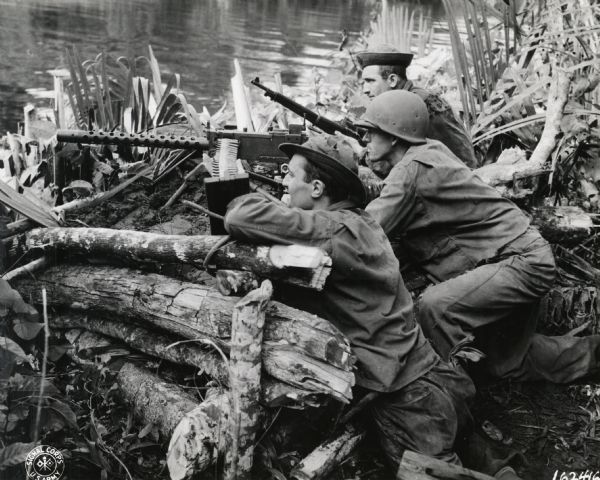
[(44, 463)]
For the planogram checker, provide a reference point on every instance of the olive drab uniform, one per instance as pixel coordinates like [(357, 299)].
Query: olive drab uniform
[(365, 298), (445, 127), (491, 265)]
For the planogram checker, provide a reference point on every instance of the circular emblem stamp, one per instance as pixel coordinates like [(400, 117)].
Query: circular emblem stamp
[(44, 463)]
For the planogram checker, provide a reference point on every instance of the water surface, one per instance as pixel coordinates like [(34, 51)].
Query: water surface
[(195, 38)]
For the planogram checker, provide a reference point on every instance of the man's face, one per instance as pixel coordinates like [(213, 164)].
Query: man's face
[(299, 190), (379, 145), (373, 83)]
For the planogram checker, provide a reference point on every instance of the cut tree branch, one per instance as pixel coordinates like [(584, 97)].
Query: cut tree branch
[(274, 262)]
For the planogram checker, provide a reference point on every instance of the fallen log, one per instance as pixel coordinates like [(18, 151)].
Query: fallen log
[(152, 399), (309, 352), (92, 336), (245, 380), (163, 345), (293, 367), (415, 466), (566, 225), (87, 345), (274, 262), (190, 352), (327, 456), (199, 438), (196, 428)]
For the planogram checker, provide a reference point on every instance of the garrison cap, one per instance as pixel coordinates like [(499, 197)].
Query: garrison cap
[(383, 54)]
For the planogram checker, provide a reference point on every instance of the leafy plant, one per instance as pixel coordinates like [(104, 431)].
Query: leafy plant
[(403, 25), (112, 94), (28, 400), (505, 77)]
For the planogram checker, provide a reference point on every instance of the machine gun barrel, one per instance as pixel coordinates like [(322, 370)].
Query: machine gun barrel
[(135, 139), (324, 123)]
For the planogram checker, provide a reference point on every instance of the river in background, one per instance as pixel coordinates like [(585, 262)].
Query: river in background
[(196, 38)]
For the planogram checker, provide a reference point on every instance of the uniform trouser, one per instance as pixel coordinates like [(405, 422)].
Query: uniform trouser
[(425, 416), (496, 304)]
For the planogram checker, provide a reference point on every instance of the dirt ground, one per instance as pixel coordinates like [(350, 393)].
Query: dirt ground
[(550, 429), (554, 427)]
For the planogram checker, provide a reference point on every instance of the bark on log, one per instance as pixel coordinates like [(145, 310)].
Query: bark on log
[(293, 337), (152, 399), (235, 282), (327, 456), (29, 268), (162, 345), (278, 394), (191, 353), (566, 225), (293, 367), (86, 345), (274, 262), (199, 438), (415, 466), (245, 379), (196, 428)]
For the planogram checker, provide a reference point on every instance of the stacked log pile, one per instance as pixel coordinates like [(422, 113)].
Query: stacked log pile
[(304, 360), (118, 296)]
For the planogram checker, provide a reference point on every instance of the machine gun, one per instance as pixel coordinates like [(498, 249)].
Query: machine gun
[(231, 147), (324, 123), (260, 150)]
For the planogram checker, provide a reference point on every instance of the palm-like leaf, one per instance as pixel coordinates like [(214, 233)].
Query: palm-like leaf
[(113, 94)]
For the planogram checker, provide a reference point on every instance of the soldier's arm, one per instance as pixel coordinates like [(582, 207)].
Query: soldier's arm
[(253, 218), (446, 128), (394, 209)]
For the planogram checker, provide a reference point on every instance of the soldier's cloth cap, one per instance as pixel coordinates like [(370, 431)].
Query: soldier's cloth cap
[(383, 55), (336, 158)]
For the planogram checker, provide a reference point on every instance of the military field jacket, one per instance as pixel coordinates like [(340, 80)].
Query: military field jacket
[(364, 296), (445, 127), (447, 218)]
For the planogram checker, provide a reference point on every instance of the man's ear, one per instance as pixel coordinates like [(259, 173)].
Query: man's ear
[(318, 189), (393, 80)]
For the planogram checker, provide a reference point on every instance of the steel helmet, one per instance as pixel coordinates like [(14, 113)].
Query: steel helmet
[(400, 113)]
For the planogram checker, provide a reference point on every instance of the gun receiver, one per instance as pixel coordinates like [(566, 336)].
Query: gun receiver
[(324, 123)]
